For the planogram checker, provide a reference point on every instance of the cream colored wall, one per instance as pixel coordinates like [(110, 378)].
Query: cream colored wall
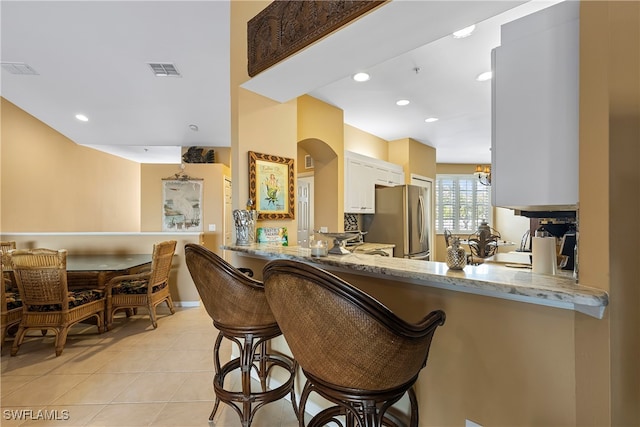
[(361, 142), (49, 183), (414, 157), (608, 386)]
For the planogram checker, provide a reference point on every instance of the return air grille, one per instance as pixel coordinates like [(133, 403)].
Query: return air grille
[(164, 70), (19, 68)]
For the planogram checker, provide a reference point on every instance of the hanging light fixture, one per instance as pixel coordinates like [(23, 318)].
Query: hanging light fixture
[(483, 173)]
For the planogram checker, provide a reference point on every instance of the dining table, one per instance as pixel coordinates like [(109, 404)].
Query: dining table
[(95, 270)]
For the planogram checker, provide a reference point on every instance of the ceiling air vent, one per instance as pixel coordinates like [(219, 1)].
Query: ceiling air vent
[(308, 162), (164, 70), (19, 68)]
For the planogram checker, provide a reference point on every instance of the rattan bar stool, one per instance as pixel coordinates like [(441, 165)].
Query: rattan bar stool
[(240, 312), (353, 351)]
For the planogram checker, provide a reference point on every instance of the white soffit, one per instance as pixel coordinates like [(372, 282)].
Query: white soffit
[(388, 31)]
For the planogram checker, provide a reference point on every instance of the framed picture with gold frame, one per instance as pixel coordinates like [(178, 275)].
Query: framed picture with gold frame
[(271, 185)]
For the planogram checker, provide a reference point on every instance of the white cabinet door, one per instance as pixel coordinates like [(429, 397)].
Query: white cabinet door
[(535, 111), (388, 174), (360, 189)]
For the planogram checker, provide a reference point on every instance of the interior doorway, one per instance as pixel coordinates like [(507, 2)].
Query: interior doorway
[(305, 210)]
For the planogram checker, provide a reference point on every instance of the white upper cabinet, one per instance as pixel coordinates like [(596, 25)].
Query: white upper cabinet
[(362, 174), (389, 174), (535, 110), (359, 192)]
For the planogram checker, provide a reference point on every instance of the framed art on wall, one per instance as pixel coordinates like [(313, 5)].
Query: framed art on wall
[(271, 185), (182, 205)]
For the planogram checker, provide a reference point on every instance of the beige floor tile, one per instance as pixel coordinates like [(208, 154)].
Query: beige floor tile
[(87, 362), (195, 341), (152, 387), (131, 360), (156, 340), (185, 414), (43, 390), (98, 388), (130, 375), (37, 362), (198, 386), (185, 361), (127, 415), (11, 383)]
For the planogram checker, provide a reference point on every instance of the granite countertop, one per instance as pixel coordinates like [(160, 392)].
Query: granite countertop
[(369, 246), (494, 280)]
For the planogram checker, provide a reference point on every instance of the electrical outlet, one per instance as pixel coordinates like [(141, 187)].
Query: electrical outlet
[(212, 227), (324, 229)]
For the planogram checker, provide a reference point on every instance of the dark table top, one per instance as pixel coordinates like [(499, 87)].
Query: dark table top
[(106, 262)]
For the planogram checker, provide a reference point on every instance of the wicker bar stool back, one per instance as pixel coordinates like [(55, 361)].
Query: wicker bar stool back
[(47, 304), (354, 351), (146, 289), (10, 302), (241, 314)]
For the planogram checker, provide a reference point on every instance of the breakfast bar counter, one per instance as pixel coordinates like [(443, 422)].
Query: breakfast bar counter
[(493, 280)]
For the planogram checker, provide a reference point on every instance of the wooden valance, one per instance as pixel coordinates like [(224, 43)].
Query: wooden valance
[(287, 26)]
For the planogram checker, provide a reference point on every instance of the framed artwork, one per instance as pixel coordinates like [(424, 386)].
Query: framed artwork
[(181, 204), (271, 185)]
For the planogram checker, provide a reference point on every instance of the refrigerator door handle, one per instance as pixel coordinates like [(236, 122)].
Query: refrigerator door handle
[(421, 215)]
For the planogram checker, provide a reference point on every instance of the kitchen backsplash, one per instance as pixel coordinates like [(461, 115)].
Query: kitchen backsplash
[(351, 222)]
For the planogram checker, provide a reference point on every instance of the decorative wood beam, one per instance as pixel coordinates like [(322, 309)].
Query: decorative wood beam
[(287, 26)]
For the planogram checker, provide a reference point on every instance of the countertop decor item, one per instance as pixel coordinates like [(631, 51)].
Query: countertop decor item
[(456, 255), (245, 222), (339, 240)]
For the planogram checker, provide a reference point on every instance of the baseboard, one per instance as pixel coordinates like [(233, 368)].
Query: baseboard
[(186, 303)]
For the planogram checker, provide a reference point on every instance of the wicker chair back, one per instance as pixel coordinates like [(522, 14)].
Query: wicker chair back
[(342, 336), (232, 299), (41, 275), (161, 263)]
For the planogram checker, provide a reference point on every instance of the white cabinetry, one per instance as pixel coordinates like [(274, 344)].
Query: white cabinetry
[(389, 174), (535, 111), (359, 190), (362, 174)]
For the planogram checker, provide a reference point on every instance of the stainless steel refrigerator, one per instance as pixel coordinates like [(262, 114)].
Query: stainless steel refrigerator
[(402, 218)]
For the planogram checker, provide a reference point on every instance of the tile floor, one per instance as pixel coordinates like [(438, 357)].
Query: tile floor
[(131, 375)]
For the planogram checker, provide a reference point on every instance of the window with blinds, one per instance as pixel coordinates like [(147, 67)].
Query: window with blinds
[(461, 203)]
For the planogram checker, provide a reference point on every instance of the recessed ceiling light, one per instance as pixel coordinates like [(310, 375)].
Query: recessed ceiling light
[(431, 120), (361, 77), (193, 128), (465, 32), (82, 117), (402, 102), (483, 77)]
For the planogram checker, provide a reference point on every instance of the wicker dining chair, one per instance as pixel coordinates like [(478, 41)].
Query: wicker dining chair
[(47, 303), (146, 289), (353, 351), (10, 304), (237, 305)]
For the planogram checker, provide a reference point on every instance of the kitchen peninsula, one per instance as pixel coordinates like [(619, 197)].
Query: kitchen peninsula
[(492, 280)]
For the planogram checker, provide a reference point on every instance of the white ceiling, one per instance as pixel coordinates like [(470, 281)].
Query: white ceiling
[(91, 57)]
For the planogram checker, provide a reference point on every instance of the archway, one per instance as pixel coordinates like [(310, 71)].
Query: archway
[(328, 200)]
